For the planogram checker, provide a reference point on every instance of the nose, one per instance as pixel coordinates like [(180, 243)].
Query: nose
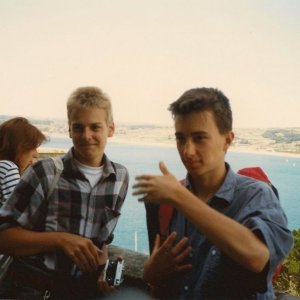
[(189, 149), (35, 156), (87, 133)]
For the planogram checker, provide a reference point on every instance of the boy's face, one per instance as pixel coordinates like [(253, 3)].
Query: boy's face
[(89, 132), (201, 146)]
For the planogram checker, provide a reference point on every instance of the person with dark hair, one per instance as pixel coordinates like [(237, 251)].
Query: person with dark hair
[(59, 239), (19, 140), (228, 232)]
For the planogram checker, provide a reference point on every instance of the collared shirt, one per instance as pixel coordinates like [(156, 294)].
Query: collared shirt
[(9, 178), (74, 206), (214, 275)]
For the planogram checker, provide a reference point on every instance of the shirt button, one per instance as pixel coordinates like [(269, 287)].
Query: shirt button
[(186, 288), (213, 252)]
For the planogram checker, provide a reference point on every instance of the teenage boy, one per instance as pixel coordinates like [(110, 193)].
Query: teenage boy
[(228, 232), (63, 236)]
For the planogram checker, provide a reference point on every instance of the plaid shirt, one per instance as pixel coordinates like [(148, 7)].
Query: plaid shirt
[(72, 207)]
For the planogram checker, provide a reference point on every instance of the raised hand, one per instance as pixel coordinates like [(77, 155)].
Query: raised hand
[(156, 188), (166, 259)]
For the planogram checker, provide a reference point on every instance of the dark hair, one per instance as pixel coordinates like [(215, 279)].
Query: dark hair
[(205, 99), (18, 135)]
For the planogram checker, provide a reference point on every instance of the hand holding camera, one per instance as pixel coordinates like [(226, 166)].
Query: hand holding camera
[(113, 271)]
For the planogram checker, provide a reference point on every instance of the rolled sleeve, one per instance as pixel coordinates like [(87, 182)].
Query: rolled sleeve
[(268, 220)]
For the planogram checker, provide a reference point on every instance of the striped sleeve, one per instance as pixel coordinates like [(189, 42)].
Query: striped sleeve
[(9, 178)]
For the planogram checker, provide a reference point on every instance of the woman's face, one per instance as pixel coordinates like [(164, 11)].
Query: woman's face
[(27, 158)]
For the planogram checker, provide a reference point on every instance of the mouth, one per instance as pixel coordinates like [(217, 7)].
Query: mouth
[(192, 163), (87, 145)]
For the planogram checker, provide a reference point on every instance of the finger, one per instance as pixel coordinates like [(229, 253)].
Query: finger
[(88, 256), (101, 257), (104, 287), (141, 191), (143, 177), (163, 168), (180, 245), (141, 183), (168, 243), (156, 243), (184, 268), (93, 256), (181, 257)]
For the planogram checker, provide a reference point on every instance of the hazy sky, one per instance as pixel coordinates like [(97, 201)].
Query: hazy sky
[(145, 53)]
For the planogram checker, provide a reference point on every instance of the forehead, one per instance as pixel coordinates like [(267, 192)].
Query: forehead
[(88, 115), (197, 121)]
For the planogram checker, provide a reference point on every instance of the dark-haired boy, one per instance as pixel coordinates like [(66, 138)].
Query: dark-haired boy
[(228, 232)]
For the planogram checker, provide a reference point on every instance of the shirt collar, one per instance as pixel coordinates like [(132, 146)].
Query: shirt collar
[(226, 190), (71, 167)]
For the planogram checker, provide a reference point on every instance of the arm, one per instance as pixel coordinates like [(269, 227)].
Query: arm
[(17, 241), (232, 238)]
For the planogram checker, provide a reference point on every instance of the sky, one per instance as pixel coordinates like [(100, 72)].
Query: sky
[(145, 54)]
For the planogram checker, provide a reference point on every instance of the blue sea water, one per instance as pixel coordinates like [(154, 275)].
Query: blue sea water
[(131, 232)]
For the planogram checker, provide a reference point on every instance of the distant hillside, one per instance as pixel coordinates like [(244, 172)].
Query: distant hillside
[(285, 140)]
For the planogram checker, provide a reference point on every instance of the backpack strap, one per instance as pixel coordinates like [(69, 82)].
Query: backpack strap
[(258, 174), (165, 214), (59, 166)]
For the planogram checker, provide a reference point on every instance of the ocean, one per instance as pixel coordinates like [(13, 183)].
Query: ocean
[(131, 232)]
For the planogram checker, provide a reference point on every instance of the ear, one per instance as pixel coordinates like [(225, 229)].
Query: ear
[(229, 137), (70, 135), (111, 129)]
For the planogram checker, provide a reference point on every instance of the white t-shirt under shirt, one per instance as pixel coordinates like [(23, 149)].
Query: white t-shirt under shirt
[(93, 174)]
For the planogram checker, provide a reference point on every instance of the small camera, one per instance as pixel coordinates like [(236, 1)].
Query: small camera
[(113, 272)]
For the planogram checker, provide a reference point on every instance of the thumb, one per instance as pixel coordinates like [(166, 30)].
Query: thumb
[(163, 168)]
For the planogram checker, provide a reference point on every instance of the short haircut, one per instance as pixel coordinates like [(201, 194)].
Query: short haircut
[(18, 135), (205, 99), (89, 97)]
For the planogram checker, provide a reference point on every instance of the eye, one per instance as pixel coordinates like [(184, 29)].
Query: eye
[(96, 127), (199, 138), (180, 139), (77, 128)]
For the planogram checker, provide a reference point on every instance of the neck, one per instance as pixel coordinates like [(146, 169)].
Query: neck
[(205, 187)]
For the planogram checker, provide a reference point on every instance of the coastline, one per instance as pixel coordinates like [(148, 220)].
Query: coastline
[(142, 141)]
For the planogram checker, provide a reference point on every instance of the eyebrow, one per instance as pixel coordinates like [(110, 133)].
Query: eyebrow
[(204, 133)]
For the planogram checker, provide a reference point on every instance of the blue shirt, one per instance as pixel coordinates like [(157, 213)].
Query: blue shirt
[(214, 275)]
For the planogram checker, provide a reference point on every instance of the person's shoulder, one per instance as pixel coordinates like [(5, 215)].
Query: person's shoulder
[(254, 187), (120, 171), (42, 167), (119, 166), (246, 181), (7, 165)]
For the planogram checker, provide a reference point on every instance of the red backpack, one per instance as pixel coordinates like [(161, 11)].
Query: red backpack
[(165, 211)]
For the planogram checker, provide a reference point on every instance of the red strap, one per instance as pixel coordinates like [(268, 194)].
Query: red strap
[(277, 272), (256, 173), (165, 213), (164, 217)]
